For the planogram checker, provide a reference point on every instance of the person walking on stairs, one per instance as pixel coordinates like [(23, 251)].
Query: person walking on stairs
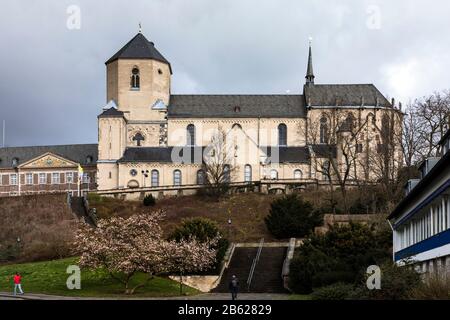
[(234, 287)]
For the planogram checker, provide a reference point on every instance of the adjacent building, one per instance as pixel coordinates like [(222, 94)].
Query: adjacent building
[(421, 222), (48, 169)]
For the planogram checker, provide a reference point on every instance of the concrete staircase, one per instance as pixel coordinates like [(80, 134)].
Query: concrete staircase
[(79, 209), (267, 273), (267, 276), (240, 266)]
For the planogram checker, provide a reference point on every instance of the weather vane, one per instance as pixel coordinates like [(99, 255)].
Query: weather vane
[(140, 27), (310, 40)]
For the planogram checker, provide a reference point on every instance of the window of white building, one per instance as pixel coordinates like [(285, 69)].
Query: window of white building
[(248, 173), (177, 178), (29, 178), (42, 178), (155, 178), (273, 174), (13, 179), (69, 177), (55, 178)]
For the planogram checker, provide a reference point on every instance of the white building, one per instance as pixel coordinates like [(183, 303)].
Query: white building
[(421, 222)]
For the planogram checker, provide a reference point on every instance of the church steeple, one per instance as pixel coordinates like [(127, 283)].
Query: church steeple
[(309, 72)]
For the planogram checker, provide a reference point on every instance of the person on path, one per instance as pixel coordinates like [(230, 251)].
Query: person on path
[(17, 283), (234, 287)]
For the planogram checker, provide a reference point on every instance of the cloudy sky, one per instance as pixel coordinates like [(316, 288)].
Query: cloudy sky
[(52, 72)]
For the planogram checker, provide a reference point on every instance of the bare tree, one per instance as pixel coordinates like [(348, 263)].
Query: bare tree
[(334, 149), (431, 114), (218, 165)]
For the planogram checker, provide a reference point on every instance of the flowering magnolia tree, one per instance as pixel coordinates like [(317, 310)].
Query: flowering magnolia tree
[(124, 247), (190, 255)]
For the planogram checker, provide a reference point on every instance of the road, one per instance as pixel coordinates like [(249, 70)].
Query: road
[(205, 296)]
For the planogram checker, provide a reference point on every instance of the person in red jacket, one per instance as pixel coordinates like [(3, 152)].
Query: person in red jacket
[(17, 283)]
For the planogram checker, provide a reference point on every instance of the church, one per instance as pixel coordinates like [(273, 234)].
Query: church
[(153, 141), (149, 138)]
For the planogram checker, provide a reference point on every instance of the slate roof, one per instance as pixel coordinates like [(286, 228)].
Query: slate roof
[(111, 112), (287, 154), (324, 150), (344, 95), (236, 106), (190, 155), (76, 152), (139, 48), (163, 154)]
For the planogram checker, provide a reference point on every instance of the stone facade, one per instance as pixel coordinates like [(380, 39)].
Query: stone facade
[(143, 114)]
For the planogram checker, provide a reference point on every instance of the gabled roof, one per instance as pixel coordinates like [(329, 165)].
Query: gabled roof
[(139, 48), (344, 95), (236, 106), (77, 153), (111, 112)]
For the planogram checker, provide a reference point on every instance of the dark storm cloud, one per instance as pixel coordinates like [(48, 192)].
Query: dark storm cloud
[(52, 83)]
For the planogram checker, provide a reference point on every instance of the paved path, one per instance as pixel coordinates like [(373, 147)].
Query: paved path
[(205, 296)]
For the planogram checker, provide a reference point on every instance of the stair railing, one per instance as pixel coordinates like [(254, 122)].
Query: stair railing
[(255, 262)]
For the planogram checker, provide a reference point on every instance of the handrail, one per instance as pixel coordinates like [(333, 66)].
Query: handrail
[(255, 261)]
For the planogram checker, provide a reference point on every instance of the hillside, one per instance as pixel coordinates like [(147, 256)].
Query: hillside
[(247, 212), (43, 223)]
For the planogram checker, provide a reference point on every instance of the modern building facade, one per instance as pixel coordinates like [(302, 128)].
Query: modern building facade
[(48, 169), (421, 222), (148, 136)]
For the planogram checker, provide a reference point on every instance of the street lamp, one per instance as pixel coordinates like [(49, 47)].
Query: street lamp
[(229, 228)]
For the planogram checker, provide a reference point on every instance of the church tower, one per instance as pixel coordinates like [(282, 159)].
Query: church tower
[(138, 80), (138, 93)]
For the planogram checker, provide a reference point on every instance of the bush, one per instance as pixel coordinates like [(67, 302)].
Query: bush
[(149, 200), (203, 230), (290, 216), (436, 286), (340, 255), (337, 291), (397, 283)]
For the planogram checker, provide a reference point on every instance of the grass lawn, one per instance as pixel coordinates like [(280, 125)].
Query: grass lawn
[(50, 277)]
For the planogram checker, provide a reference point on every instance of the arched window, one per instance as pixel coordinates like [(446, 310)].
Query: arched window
[(226, 174), (177, 178), (135, 79), (155, 178), (323, 130), (190, 137), (273, 174), (350, 122), (282, 135), (248, 173), (297, 174), (200, 177)]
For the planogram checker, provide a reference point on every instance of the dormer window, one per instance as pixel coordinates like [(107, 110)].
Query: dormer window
[(15, 162), (237, 109), (135, 79), (89, 159)]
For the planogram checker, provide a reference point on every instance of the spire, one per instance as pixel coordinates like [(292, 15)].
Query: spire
[(310, 73)]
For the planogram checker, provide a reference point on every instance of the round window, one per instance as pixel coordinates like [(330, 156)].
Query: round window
[(133, 172)]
